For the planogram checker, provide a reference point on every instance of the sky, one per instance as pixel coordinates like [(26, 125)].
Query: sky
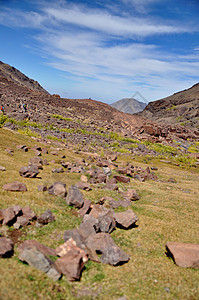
[(104, 50)]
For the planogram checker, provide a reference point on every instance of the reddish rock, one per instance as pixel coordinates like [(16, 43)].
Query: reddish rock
[(30, 171), (184, 255), (131, 195), (46, 217), (71, 264), (57, 189), (29, 244), (15, 187), (85, 208), (121, 178), (6, 247), (36, 161), (126, 219), (74, 197)]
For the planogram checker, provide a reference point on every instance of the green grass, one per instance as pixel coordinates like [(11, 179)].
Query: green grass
[(166, 211), (56, 116)]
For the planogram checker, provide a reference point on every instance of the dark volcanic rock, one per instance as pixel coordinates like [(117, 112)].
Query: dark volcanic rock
[(15, 187), (121, 178)]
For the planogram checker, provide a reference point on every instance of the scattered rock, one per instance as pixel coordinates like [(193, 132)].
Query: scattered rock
[(184, 254), (30, 171), (6, 247), (37, 259), (42, 188), (103, 243), (36, 161), (131, 195), (58, 170), (2, 168), (46, 217), (58, 189), (15, 187), (71, 264), (85, 208), (126, 219), (121, 178), (74, 197), (27, 244)]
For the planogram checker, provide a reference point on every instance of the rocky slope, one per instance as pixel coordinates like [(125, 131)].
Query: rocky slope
[(19, 78), (180, 108), (129, 105)]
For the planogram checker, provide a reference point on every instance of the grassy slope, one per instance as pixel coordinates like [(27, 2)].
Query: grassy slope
[(166, 211)]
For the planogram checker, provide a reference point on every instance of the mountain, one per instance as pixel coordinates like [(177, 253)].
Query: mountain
[(129, 105), (180, 108), (19, 78), (89, 118)]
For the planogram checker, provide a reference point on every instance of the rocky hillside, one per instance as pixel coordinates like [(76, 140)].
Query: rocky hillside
[(129, 105), (180, 108), (19, 78), (84, 116)]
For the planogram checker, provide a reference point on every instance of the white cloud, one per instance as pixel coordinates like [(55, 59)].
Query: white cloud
[(90, 46)]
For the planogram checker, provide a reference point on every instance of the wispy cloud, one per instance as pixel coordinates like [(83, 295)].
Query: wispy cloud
[(103, 50)]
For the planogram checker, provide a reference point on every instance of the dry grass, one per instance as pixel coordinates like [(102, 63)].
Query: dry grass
[(167, 212)]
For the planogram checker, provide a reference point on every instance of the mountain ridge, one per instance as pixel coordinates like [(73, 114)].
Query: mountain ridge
[(180, 108), (13, 74), (129, 105)]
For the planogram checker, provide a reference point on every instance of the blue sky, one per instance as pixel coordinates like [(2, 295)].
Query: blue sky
[(104, 50)]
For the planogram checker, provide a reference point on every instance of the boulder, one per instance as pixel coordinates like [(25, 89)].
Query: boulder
[(83, 186), (58, 189), (76, 236), (184, 254), (15, 187), (107, 171), (37, 259), (131, 195), (42, 188), (30, 171), (6, 247), (71, 264), (103, 243), (88, 226), (36, 161), (126, 219), (46, 217), (121, 178), (68, 246), (58, 170), (85, 208), (27, 244), (2, 168), (27, 216), (74, 197), (119, 203)]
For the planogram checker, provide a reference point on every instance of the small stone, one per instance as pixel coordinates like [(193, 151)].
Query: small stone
[(2, 168)]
